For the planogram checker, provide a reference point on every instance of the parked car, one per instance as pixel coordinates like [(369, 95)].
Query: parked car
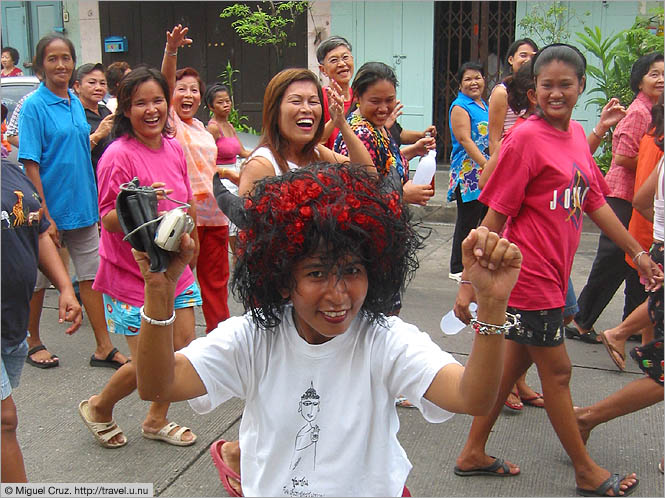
[(13, 90)]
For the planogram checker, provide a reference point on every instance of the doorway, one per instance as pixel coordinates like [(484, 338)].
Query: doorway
[(466, 31)]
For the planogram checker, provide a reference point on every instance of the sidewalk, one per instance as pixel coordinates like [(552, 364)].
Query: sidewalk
[(58, 448)]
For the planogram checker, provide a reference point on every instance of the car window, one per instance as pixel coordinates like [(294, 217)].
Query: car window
[(11, 94)]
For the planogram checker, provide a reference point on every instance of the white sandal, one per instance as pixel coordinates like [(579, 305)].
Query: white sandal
[(174, 439), (99, 429)]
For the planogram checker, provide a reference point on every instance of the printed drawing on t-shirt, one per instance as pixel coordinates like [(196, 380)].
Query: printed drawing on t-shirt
[(19, 215), (304, 452), (572, 198)]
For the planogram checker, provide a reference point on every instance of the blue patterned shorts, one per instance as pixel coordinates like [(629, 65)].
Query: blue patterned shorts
[(125, 319)]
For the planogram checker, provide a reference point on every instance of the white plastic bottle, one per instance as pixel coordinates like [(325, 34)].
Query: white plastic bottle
[(426, 169), (451, 325)]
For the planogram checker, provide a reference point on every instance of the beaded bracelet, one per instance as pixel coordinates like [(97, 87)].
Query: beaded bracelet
[(491, 329), (637, 256), (158, 323)]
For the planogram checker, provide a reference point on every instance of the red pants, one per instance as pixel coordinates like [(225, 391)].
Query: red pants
[(212, 270)]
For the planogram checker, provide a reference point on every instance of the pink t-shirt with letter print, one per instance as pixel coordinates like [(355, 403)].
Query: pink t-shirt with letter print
[(545, 180)]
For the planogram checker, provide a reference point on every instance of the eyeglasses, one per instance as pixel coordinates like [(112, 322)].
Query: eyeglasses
[(346, 58)]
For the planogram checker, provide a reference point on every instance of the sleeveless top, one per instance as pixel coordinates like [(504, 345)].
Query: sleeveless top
[(267, 154), (659, 204), (228, 149)]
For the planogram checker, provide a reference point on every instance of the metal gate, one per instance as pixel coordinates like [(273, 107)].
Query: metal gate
[(466, 31)]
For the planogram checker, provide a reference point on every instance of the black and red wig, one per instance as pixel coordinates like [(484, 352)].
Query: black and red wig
[(334, 210)]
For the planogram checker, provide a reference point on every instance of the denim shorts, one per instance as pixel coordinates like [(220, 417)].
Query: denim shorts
[(537, 328), (125, 319), (13, 359), (570, 308)]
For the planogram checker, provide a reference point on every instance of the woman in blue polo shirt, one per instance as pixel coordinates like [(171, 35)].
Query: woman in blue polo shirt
[(468, 119), (55, 150)]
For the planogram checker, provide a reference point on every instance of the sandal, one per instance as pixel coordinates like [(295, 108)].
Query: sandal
[(611, 483), (41, 364), (514, 406), (536, 400), (174, 439), (611, 350), (225, 472), (103, 431), (590, 337)]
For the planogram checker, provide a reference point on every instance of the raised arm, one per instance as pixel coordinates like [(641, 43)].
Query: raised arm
[(358, 153), (492, 265), (161, 374), (174, 40), (611, 114)]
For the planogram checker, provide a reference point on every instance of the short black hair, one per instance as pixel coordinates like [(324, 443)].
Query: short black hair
[(128, 86), (85, 69), (212, 91), (641, 68), (469, 66), (336, 209), (369, 73), (13, 53), (329, 44)]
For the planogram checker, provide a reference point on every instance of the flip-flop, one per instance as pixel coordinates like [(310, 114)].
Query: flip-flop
[(514, 406), (41, 364), (174, 439), (98, 428), (614, 483), (106, 362), (490, 470), (225, 472), (610, 350), (530, 400)]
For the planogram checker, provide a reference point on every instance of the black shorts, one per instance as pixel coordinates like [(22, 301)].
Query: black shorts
[(537, 328)]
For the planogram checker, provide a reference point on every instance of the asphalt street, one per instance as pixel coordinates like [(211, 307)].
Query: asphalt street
[(58, 448)]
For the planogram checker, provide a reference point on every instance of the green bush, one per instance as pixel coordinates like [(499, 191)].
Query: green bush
[(237, 120), (616, 54)]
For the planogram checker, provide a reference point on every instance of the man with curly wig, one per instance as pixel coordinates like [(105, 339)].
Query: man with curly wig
[(323, 252)]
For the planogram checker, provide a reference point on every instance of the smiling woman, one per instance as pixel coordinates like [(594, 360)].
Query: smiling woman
[(470, 138)]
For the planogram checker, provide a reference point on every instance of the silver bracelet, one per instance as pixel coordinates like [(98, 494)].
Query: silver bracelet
[(171, 54), (637, 256), (483, 328), (158, 323), (465, 282)]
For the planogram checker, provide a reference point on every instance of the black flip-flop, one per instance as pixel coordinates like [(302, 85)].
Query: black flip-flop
[(490, 470), (614, 483), (590, 337), (108, 362), (41, 364)]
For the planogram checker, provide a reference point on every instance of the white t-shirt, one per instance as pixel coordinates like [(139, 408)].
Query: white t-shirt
[(319, 420)]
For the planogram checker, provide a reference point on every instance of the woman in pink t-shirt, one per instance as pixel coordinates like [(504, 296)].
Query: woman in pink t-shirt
[(545, 203), (144, 149)]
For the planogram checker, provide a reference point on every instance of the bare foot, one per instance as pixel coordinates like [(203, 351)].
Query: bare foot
[(97, 415), (594, 481), (153, 427), (231, 456), (470, 462), (582, 424)]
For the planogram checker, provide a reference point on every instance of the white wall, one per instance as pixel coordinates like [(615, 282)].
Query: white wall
[(318, 29)]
